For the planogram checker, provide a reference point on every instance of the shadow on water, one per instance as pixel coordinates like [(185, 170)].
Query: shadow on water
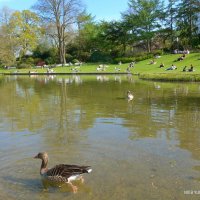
[(64, 187), (41, 185), (28, 184)]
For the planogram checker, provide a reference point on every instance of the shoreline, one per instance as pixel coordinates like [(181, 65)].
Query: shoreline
[(162, 77), (166, 77), (68, 73)]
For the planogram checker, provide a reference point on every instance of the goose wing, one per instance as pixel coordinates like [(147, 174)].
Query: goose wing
[(66, 171)]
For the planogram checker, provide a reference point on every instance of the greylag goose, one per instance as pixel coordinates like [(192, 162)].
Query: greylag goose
[(129, 95), (62, 173)]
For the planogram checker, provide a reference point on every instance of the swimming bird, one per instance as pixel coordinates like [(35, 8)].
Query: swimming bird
[(129, 95), (62, 173)]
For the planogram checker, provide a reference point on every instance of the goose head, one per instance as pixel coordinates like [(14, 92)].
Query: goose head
[(44, 157)]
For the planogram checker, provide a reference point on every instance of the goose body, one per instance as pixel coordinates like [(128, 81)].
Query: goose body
[(130, 96), (62, 173)]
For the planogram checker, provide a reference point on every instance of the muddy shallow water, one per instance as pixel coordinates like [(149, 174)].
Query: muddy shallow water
[(148, 148)]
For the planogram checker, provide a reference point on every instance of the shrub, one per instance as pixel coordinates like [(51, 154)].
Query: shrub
[(29, 61), (98, 56), (166, 50), (75, 61), (36, 60), (158, 52), (50, 60), (137, 57), (24, 66), (68, 57), (123, 60), (144, 57), (84, 56)]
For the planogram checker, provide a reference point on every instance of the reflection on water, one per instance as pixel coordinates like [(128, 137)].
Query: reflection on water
[(147, 148)]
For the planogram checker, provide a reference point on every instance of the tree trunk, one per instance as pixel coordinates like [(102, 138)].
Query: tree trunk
[(190, 27), (61, 44), (148, 46), (62, 13)]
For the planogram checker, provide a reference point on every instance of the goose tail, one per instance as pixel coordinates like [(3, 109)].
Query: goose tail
[(89, 170)]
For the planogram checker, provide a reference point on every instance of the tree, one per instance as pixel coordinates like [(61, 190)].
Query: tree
[(5, 15), (85, 42), (84, 20), (144, 17), (61, 14), (188, 14), (25, 29), (45, 53), (7, 53), (114, 37), (170, 19), (7, 56)]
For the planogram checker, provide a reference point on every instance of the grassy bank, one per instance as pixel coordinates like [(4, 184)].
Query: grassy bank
[(144, 69), (171, 77), (154, 72), (85, 68)]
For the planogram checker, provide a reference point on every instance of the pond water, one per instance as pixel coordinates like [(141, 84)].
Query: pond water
[(148, 148)]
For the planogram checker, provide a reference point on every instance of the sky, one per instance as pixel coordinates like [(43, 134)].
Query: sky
[(102, 9)]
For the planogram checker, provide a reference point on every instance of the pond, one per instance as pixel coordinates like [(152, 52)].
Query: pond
[(147, 148)]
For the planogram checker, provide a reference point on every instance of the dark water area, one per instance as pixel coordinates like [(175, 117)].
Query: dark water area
[(147, 148)]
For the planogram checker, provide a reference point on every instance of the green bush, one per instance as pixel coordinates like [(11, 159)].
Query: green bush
[(138, 57), (123, 60), (68, 57), (84, 56), (98, 56), (24, 66), (144, 57), (50, 61), (36, 60), (75, 61), (29, 61), (166, 50), (158, 52)]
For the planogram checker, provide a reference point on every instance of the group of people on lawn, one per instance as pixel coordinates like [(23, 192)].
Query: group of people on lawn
[(173, 67)]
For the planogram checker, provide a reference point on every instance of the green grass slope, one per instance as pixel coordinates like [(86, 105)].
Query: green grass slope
[(142, 68), (168, 60), (154, 72)]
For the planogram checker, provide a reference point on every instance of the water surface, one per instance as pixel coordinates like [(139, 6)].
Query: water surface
[(148, 148)]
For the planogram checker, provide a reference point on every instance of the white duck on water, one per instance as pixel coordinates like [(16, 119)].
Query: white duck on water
[(129, 95), (62, 173)]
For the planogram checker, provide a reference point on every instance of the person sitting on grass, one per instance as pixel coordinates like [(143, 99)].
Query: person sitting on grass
[(162, 65), (152, 62), (128, 69), (191, 68), (184, 69), (132, 64), (173, 67), (180, 58)]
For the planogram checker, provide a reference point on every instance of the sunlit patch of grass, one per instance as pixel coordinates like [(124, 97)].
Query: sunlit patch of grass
[(142, 68), (190, 76)]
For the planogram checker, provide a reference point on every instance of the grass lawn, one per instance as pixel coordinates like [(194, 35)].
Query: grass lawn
[(154, 72), (142, 68), (168, 60), (85, 68)]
